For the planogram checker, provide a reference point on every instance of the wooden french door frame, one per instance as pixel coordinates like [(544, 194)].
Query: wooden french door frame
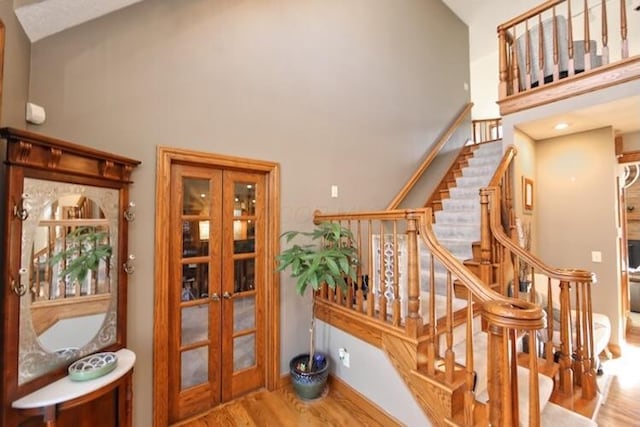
[(166, 157)]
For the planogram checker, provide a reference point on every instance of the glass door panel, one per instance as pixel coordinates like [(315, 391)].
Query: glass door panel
[(244, 313), (195, 281), (195, 238), (244, 352), (194, 367), (194, 324), (244, 274)]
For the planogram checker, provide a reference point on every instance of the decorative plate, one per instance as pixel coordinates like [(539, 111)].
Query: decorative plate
[(93, 366)]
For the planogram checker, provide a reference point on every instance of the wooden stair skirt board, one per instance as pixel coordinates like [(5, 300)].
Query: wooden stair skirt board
[(438, 400)]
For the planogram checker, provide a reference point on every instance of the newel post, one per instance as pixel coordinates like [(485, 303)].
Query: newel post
[(414, 320), (566, 348), (485, 237), (498, 381)]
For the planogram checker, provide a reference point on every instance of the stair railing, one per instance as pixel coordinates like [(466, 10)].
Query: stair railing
[(502, 179), (486, 130), (392, 296), (437, 148), (557, 39), (572, 344)]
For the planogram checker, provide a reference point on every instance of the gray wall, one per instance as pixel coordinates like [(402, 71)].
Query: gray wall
[(345, 92), (577, 174), (15, 82)]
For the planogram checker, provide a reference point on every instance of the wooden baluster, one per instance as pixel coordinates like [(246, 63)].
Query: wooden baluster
[(350, 298), (624, 44), (431, 349), (578, 362), (587, 38), (449, 356), (485, 238), (360, 279), (571, 68), (540, 52), (589, 386), (605, 33), (513, 370), (556, 66), (566, 373), (414, 320), (469, 396), (371, 299), (504, 71), (550, 323), (534, 387), (382, 299), (396, 280), (515, 71), (527, 56)]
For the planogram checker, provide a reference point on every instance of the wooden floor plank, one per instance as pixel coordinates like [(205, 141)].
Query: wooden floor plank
[(283, 408), (622, 407)]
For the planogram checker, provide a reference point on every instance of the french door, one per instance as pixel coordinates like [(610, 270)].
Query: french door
[(216, 292)]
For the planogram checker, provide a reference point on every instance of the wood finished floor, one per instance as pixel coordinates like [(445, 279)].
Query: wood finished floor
[(282, 408), (622, 406)]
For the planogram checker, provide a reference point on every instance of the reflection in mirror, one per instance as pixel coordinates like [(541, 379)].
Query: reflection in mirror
[(70, 310)]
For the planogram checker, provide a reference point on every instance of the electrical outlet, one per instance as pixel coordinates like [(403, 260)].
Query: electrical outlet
[(596, 256), (334, 191), (343, 355)]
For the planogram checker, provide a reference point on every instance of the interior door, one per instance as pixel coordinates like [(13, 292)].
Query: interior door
[(216, 315)]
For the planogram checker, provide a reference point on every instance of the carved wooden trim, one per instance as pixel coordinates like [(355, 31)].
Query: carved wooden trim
[(589, 81), (55, 154), (38, 151)]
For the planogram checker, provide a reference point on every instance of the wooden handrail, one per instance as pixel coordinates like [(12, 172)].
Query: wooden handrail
[(430, 157), (562, 274), (529, 14)]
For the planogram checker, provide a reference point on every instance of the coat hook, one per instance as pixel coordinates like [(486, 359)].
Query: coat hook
[(20, 210), (128, 266), (129, 212)]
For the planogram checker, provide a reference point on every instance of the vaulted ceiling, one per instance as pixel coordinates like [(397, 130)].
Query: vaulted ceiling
[(42, 18)]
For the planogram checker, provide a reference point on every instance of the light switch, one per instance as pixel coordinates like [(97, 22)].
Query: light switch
[(596, 256), (334, 191)]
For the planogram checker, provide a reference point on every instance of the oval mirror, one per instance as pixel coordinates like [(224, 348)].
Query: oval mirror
[(70, 239)]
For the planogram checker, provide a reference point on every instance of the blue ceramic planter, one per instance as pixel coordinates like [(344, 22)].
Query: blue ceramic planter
[(309, 385)]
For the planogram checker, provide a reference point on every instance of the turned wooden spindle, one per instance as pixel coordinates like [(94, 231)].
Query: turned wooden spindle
[(623, 29), (587, 38), (605, 33)]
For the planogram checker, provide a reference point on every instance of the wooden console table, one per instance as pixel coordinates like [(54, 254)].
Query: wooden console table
[(64, 394)]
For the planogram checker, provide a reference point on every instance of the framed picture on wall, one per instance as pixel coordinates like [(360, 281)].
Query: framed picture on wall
[(527, 193)]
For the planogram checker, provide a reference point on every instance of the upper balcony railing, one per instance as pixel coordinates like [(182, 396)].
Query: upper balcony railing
[(564, 48)]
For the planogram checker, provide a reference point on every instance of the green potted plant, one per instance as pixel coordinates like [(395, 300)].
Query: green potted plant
[(331, 258), (86, 247)]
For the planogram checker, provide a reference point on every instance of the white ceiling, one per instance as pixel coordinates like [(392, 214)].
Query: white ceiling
[(623, 115), (42, 18)]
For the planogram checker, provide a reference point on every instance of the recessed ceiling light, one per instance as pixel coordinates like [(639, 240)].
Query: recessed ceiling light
[(561, 126)]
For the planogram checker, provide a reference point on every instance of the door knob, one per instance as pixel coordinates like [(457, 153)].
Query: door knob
[(226, 295), (215, 297)]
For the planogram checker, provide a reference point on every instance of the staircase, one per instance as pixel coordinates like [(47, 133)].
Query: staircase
[(457, 224), (462, 355)]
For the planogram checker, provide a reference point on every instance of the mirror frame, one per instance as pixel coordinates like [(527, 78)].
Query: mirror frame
[(31, 155)]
